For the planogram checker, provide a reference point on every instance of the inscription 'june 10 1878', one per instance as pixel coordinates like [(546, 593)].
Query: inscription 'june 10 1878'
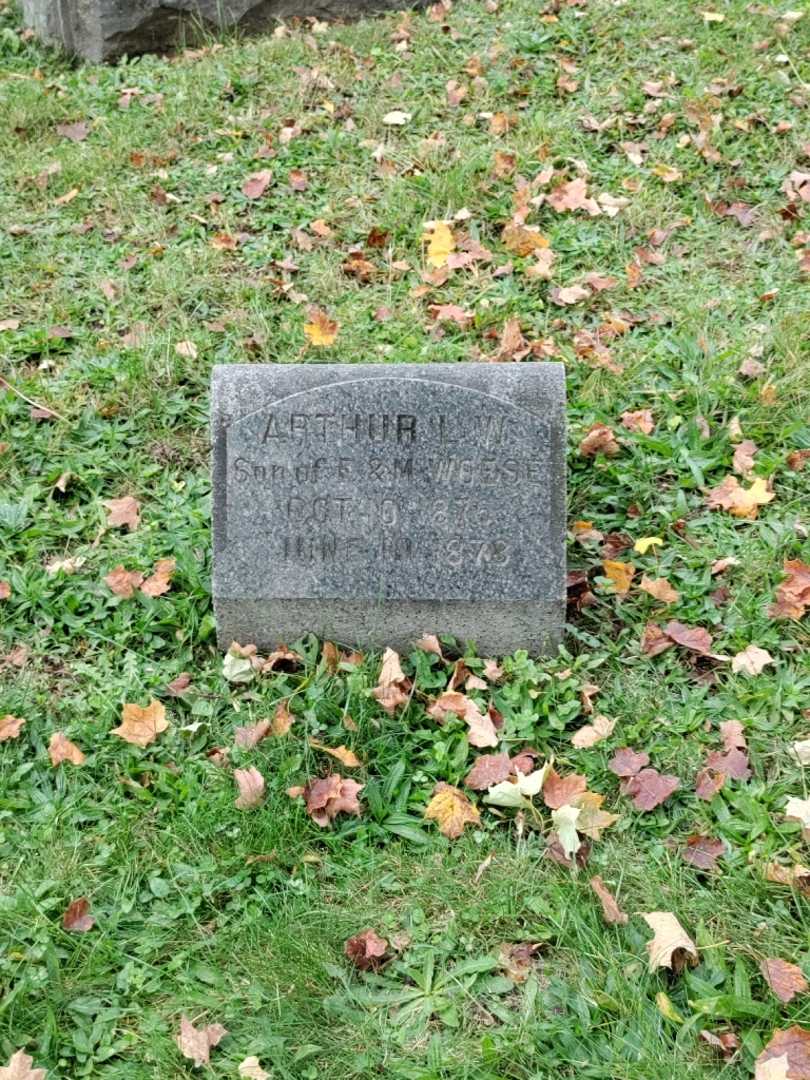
[(387, 488)]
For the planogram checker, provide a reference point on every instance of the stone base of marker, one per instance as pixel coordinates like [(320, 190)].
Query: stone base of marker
[(370, 504), (104, 29)]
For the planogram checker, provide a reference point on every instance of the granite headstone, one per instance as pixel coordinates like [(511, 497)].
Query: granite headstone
[(370, 504)]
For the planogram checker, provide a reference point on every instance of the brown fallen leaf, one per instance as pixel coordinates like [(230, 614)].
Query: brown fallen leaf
[(390, 690), (256, 184), (694, 638), (251, 785), (10, 727), (654, 641), (320, 331), (330, 656), (739, 501), (329, 796), (523, 240), (159, 581), (196, 1043), (566, 295), (726, 1042), (743, 461), (60, 749), (785, 979), (141, 725), (282, 719), (20, 1067), (620, 573), (649, 788), (786, 1056), (628, 762), (282, 658), (573, 196), (640, 421), (5, 590), (179, 686), (481, 727), (611, 912), (600, 439), (123, 582), (366, 950), (562, 790), (793, 595), (488, 769), (125, 511), (600, 728), (252, 735), (708, 783), (343, 754), (671, 946), (430, 643), (703, 852), (77, 918), (75, 132), (733, 764), (592, 818), (451, 810), (187, 349), (517, 959), (660, 589)]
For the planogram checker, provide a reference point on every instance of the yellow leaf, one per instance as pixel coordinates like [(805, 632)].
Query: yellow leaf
[(667, 1009), (141, 726), (321, 330), (451, 810), (342, 753), (442, 242), (643, 545), (620, 573)]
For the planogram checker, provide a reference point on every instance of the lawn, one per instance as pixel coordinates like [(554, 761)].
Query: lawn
[(136, 253)]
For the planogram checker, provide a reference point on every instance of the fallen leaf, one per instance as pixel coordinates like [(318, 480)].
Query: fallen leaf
[(559, 790), (250, 1069), (481, 727), (180, 685), (639, 421), (60, 749), (600, 439), (366, 950), (329, 796), (733, 764), (141, 726), (159, 581), (5, 590), (628, 762), (569, 294), (793, 595), (123, 582), (659, 589), (20, 1068), (591, 734), (252, 735), (565, 823), (196, 1043), (282, 719), (9, 324), (442, 242), (256, 184), (343, 754), (298, 180), (516, 794), (786, 1056), (126, 511), (708, 783), (430, 643), (396, 118), (10, 727), (320, 331), (799, 810), (488, 769), (671, 946), (76, 132), (739, 501), (390, 688), (801, 751), (451, 810), (726, 1042), (668, 173), (654, 641), (251, 788), (573, 196), (694, 638), (743, 461), (785, 979), (523, 240), (644, 543), (187, 349), (649, 788), (611, 912), (751, 660), (703, 851), (517, 960), (77, 918), (620, 573)]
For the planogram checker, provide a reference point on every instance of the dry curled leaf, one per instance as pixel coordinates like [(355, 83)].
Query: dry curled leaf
[(671, 946), (282, 719), (250, 1069), (159, 581), (786, 1056), (250, 783), (451, 810), (329, 796), (123, 582), (196, 1043), (60, 749), (77, 918), (20, 1067), (5, 590), (785, 979), (10, 727), (343, 754), (793, 594), (611, 912), (694, 638), (141, 725), (366, 950), (599, 440), (640, 421), (390, 690), (187, 349), (125, 511)]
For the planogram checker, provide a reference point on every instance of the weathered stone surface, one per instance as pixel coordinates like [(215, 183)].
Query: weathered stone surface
[(103, 29), (371, 504)]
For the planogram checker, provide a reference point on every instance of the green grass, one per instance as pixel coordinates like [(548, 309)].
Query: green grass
[(187, 921)]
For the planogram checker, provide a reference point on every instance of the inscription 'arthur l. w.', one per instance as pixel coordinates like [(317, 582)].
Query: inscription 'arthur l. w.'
[(436, 485)]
